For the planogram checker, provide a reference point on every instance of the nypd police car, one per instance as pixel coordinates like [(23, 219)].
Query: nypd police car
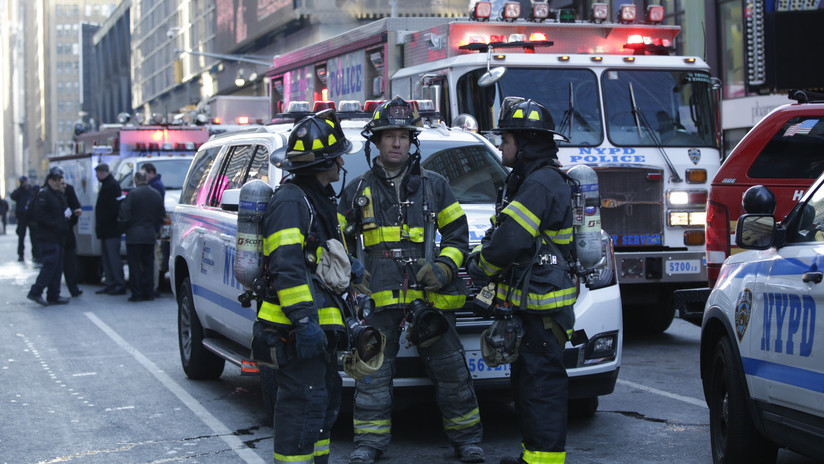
[(761, 362), (215, 327)]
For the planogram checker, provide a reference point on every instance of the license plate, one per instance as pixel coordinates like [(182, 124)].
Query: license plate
[(683, 266), (479, 370)]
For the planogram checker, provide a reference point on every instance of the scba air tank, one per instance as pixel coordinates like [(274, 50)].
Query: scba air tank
[(586, 215), (251, 208)]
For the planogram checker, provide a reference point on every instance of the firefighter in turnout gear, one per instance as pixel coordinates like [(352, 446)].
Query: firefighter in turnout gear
[(389, 215), (527, 254), (300, 320)]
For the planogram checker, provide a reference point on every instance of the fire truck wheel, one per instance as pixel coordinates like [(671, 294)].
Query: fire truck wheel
[(198, 362), (733, 436)]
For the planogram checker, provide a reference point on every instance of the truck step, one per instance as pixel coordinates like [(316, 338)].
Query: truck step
[(232, 353)]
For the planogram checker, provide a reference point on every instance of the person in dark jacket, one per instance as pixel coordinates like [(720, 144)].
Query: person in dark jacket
[(526, 255), (141, 215), (164, 247), (300, 321), (107, 230), (70, 250), (22, 197), (49, 215), (391, 207), (4, 210), (154, 179)]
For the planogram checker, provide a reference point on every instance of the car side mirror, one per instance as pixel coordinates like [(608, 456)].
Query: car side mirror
[(230, 199), (755, 231)]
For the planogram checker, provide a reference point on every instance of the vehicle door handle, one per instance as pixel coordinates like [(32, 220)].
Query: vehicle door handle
[(814, 277)]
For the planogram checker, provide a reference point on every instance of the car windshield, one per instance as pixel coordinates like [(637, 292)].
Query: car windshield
[(172, 171), (473, 170)]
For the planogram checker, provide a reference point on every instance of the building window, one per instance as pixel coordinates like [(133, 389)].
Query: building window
[(733, 65)]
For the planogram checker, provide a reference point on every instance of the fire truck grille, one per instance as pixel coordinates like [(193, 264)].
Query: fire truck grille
[(632, 201)]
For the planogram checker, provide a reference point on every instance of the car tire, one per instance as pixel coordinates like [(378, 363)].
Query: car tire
[(733, 435), (198, 362), (582, 407)]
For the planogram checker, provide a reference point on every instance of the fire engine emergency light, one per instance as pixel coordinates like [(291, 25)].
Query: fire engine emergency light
[(655, 14), (482, 11), (540, 11), (626, 13), (242, 120), (510, 11), (323, 105), (298, 107), (600, 12), (349, 106), (371, 105)]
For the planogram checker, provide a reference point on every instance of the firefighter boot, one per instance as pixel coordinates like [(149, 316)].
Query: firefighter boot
[(364, 455), (470, 453)]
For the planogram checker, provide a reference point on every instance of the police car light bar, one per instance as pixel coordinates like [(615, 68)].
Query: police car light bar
[(324, 105)]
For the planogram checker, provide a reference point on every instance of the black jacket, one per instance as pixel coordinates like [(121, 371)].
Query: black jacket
[(74, 203), (141, 215), (22, 197), (48, 215), (106, 209)]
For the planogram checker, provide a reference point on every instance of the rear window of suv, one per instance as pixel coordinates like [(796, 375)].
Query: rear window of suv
[(795, 152)]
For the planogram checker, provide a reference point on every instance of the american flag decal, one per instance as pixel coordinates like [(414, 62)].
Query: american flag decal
[(801, 128)]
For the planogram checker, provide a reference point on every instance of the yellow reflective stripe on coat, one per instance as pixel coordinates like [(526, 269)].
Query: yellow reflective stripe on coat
[(376, 426), (489, 268), (322, 447), (561, 237), (392, 234), (282, 237), (445, 302), (454, 254), (294, 295), (296, 459), (543, 457), (342, 221), (274, 313), (467, 420), (523, 216), (551, 300), (449, 214)]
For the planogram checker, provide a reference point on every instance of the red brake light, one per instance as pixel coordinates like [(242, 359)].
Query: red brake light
[(718, 238), (323, 105), (242, 120)]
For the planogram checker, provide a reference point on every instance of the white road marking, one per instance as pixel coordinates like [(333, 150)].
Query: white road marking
[(217, 427), (686, 399)]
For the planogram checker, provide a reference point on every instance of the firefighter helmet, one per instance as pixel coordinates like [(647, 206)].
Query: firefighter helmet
[(520, 114), (428, 324), (758, 199), (366, 357), (314, 144), (394, 114)]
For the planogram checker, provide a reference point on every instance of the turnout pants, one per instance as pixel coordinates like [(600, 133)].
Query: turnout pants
[(540, 388), (445, 366), (308, 403)]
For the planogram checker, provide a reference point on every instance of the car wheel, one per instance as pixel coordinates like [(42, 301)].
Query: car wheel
[(733, 436), (582, 407), (198, 362)]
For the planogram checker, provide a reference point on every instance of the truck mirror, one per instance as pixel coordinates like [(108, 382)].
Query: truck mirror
[(755, 231), (492, 76)]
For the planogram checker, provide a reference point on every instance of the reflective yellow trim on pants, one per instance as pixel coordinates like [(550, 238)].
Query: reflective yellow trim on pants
[(467, 420), (551, 300), (449, 214), (322, 447), (454, 254), (445, 302), (282, 237), (544, 457), (274, 313), (294, 295), (377, 426), (392, 234), (297, 459)]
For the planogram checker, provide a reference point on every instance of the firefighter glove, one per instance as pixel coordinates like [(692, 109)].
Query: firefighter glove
[(309, 338), (434, 276), (357, 270), (474, 270)]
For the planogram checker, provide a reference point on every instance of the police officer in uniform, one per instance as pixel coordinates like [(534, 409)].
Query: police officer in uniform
[(386, 209), (300, 321), (526, 253)]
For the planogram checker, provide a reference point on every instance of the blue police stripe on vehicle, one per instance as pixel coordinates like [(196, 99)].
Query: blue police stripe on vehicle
[(802, 378), (228, 303)]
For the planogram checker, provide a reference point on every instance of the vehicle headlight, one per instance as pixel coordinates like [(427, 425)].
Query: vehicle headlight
[(601, 348)]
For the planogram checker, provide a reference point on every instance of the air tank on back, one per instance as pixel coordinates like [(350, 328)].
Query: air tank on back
[(254, 196), (586, 215)]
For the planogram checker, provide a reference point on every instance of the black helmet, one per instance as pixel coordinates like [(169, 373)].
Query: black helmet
[(54, 173), (758, 200), (520, 114), (314, 144), (394, 114)]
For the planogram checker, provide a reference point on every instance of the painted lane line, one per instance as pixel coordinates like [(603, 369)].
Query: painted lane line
[(211, 421), (686, 399)]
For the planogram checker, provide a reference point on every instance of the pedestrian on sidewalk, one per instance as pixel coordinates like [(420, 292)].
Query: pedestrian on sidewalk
[(141, 215)]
